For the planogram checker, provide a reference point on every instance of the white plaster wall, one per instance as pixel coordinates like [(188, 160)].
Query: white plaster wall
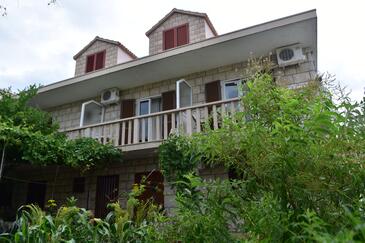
[(123, 57), (208, 30)]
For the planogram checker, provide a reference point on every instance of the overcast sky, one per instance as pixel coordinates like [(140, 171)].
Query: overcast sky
[(37, 41)]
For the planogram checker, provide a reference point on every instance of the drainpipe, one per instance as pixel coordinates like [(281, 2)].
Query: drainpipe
[(2, 160)]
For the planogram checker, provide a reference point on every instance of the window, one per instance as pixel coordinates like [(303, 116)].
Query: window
[(184, 93), (78, 185), (149, 105), (91, 113), (177, 36), (95, 61), (230, 89), (233, 88), (145, 107)]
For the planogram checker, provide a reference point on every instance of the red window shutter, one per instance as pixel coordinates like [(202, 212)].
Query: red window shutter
[(168, 100), (182, 35), (212, 91), (169, 39), (127, 110), (100, 60), (90, 63)]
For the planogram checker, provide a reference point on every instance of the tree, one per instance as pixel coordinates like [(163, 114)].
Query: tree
[(3, 8)]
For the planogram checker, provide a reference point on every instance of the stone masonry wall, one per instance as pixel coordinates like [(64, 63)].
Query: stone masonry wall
[(111, 56), (69, 117), (293, 76), (60, 182), (196, 30)]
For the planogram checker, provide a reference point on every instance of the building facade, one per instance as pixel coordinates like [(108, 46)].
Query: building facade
[(191, 74)]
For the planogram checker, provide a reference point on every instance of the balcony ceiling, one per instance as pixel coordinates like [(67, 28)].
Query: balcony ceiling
[(222, 50)]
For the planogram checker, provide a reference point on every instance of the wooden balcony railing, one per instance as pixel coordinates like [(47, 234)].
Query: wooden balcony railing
[(155, 127)]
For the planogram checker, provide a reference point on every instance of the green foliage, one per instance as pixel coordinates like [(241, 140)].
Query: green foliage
[(300, 152), (206, 212), (175, 157), (30, 136), (87, 153), (73, 224)]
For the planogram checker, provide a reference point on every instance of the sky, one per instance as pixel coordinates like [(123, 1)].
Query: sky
[(38, 41)]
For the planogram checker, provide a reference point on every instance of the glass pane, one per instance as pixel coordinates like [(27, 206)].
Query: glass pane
[(155, 105), (92, 114), (144, 107), (185, 94), (231, 90)]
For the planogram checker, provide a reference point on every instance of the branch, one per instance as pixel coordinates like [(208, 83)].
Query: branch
[(3, 12)]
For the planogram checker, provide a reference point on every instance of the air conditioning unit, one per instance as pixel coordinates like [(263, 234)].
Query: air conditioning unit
[(290, 55), (109, 96)]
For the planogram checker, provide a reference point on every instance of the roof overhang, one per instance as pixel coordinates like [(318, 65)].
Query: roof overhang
[(226, 49)]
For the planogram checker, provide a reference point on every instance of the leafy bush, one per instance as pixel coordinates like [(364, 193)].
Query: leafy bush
[(206, 212), (176, 159), (300, 152), (29, 136)]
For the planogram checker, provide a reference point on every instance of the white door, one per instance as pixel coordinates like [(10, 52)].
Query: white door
[(184, 98), (146, 107), (184, 94)]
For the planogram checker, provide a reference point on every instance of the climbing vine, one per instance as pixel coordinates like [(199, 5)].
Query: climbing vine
[(30, 136), (176, 157)]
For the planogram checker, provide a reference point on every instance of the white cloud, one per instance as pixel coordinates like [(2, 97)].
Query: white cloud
[(37, 41)]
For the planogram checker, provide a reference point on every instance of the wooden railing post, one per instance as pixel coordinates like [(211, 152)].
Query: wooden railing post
[(197, 115), (136, 130), (215, 117), (149, 129), (165, 126), (156, 126), (189, 129)]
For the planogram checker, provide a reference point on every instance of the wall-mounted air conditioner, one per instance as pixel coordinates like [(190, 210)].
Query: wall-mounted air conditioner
[(290, 55), (109, 96)]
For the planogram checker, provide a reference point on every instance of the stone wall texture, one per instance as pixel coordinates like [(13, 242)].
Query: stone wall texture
[(111, 56), (69, 117), (293, 76), (59, 182), (196, 30)]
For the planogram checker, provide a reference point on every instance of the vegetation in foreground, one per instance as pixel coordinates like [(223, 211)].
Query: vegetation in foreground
[(299, 156), (28, 135)]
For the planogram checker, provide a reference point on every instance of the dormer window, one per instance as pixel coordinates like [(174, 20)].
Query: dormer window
[(95, 61), (176, 36)]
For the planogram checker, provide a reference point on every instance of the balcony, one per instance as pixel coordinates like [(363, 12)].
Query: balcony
[(148, 131)]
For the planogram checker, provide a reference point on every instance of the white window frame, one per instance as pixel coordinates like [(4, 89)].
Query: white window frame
[(238, 81), (149, 99), (178, 93), (83, 111)]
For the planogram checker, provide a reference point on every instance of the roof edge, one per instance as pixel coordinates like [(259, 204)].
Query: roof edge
[(97, 38), (298, 17), (175, 10)]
